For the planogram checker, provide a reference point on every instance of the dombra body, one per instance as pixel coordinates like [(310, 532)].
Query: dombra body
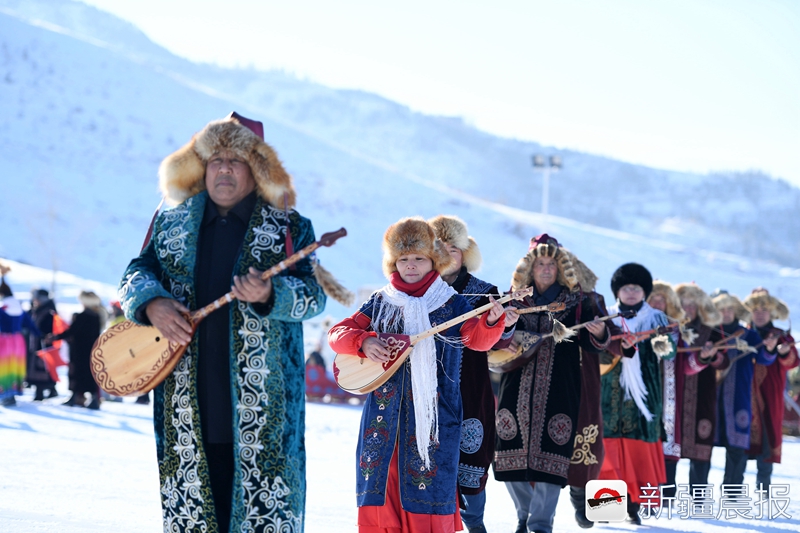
[(130, 359), (360, 375)]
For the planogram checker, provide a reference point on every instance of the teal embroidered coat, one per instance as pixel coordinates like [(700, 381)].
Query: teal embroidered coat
[(267, 375)]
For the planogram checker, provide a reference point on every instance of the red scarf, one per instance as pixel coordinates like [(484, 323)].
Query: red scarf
[(417, 289)]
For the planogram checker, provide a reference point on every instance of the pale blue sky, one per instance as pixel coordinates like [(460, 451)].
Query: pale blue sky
[(697, 85)]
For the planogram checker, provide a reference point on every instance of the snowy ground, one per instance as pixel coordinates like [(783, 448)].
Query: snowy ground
[(71, 470)]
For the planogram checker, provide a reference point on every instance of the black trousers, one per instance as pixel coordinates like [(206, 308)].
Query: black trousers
[(220, 470), (670, 467), (698, 472)]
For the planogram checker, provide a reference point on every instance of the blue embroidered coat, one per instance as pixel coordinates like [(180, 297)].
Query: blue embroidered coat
[(267, 374), (388, 418), (734, 393)]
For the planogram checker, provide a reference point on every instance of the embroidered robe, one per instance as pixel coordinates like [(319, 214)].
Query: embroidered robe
[(734, 393), (388, 419), (769, 382), (267, 374), (539, 402)]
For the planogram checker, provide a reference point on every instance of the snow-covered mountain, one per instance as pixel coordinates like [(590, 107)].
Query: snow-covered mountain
[(90, 107)]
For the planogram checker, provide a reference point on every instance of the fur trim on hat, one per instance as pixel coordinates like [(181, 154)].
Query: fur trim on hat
[(572, 272), (182, 173), (453, 231), (760, 297), (413, 236), (89, 299), (674, 309), (706, 310), (725, 299), (632, 274)]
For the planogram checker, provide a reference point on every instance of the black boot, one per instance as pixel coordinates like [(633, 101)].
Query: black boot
[(633, 513), (52, 393), (577, 495), (39, 394), (522, 527), (95, 403), (72, 400), (144, 399)]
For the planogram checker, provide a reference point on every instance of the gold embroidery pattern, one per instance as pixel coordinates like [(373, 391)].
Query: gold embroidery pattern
[(582, 454)]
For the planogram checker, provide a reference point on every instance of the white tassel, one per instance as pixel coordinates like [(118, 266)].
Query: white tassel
[(689, 335), (631, 381), (743, 347), (661, 345), (562, 332)]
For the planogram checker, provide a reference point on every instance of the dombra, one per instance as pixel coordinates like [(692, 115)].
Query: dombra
[(360, 375), (635, 338), (130, 360), (502, 361)]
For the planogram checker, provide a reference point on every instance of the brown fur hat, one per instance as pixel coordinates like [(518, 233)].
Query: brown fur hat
[(706, 310), (760, 297), (664, 289), (89, 299), (182, 173), (413, 236), (572, 273), (723, 299), (452, 230)]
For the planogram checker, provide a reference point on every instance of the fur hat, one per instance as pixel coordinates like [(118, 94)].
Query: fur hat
[(182, 173), (706, 310), (452, 230), (572, 273), (723, 299), (760, 297), (632, 274), (413, 236), (89, 299), (665, 290)]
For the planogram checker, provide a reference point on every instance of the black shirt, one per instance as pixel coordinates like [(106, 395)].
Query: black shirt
[(219, 247)]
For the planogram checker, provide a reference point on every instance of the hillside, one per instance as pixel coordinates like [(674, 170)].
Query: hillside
[(91, 107)]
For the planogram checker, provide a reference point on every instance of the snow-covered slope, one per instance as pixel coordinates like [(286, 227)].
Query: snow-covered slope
[(90, 107)]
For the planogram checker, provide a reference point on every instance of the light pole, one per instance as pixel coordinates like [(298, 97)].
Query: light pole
[(539, 165)]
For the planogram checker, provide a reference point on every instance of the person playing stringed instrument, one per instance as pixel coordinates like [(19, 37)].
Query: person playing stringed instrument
[(632, 391), (229, 418), (735, 384), (539, 402), (408, 447), (769, 383), (697, 397)]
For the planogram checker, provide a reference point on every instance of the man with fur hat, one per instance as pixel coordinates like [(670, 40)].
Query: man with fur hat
[(769, 383), (408, 447), (233, 410), (539, 402), (734, 390), (80, 335), (632, 390), (697, 397), (478, 427)]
